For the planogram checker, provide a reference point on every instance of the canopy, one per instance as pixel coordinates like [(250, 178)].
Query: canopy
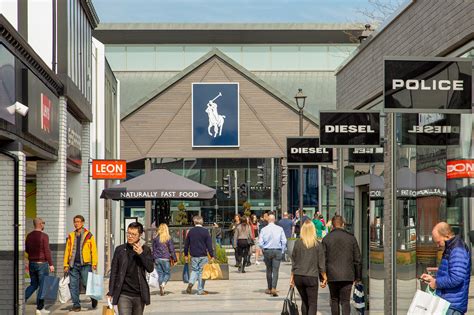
[(159, 184)]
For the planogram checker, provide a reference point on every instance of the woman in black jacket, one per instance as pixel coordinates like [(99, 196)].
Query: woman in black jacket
[(308, 262), (242, 240), (128, 287)]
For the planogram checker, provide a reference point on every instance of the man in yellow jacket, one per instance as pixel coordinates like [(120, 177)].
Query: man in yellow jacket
[(80, 258)]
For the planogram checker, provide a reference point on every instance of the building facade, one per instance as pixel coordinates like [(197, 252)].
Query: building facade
[(394, 204)]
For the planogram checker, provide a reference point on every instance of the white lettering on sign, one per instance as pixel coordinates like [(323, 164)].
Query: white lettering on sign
[(310, 150), (460, 167), (433, 85), (434, 129), (109, 168), (368, 150), (348, 129)]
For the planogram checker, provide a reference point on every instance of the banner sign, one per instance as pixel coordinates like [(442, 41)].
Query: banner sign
[(459, 169), (428, 84), (349, 129), (215, 115), (366, 155), (430, 129), (109, 169), (74, 139), (307, 151), (43, 114)]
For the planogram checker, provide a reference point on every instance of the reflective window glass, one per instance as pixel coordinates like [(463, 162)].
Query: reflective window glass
[(314, 58), (169, 58), (116, 57), (140, 58), (193, 53), (285, 57), (256, 57)]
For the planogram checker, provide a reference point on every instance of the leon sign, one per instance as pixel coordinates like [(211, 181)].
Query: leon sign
[(109, 169), (460, 169)]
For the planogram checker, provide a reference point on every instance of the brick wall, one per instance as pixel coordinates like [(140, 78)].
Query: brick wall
[(85, 191), (426, 28)]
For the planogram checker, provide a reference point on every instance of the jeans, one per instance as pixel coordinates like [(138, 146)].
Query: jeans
[(37, 273), (197, 263), (453, 312), (272, 259), (340, 292), (163, 268), (308, 290), (77, 273), (128, 305)]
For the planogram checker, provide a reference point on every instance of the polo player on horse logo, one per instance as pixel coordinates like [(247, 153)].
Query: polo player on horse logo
[(215, 120)]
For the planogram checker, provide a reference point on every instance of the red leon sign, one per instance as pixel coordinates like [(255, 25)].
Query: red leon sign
[(45, 113), (460, 169), (109, 169)]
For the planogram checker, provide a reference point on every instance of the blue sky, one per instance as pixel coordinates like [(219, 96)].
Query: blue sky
[(238, 11)]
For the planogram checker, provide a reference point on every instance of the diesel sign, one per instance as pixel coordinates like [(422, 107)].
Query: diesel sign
[(349, 129), (307, 151), (428, 84), (426, 129), (434, 129)]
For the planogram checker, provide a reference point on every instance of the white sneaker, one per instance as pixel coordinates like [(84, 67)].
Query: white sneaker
[(43, 311), (257, 262)]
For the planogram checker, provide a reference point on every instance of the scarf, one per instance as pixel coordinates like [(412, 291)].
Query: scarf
[(74, 247)]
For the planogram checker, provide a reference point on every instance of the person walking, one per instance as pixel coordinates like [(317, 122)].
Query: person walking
[(242, 238), (343, 265), (254, 224), (128, 288), (218, 234), (272, 240), (319, 226), (163, 253), (288, 228), (40, 262), (308, 262), (454, 272), (80, 258), (233, 226), (198, 244)]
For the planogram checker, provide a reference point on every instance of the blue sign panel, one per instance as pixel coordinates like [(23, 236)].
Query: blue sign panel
[(215, 112)]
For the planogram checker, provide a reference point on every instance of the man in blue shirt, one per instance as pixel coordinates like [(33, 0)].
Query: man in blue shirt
[(288, 227), (272, 241)]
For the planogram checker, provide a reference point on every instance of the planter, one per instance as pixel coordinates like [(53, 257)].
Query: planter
[(177, 272)]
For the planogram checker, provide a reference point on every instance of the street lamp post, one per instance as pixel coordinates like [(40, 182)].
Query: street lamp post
[(300, 102)]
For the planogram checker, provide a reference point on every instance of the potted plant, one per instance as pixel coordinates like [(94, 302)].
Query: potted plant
[(181, 217), (247, 205)]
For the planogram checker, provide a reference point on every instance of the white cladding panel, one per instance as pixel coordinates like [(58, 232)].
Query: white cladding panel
[(40, 28)]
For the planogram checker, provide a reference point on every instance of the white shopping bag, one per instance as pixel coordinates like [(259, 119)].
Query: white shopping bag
[(153, 280), (64, 294), (427, 304), (95, 286)]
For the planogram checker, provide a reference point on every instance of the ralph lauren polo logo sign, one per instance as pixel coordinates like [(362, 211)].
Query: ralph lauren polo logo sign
[(215, 114)]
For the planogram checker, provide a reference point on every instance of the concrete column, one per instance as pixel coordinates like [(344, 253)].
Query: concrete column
[(51, 193), (7, 199)]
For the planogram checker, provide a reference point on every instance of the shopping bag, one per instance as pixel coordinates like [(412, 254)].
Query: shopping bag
[(95, 286), (153, 279), (64, 294), (358, 298), (186, 273), (50, 288), (108, 309), (212, 271), (289, 305), (425, 303)]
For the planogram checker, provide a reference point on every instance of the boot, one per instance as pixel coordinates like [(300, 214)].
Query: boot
[(243, 264)]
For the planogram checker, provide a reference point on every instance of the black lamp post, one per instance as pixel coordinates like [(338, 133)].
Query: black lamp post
[(300, 102)]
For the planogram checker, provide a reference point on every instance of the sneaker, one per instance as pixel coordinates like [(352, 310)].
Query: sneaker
[(257, 262), (203, 293), (43, 311), (268, 291), (94, 303), (162, 290), (189, 288)]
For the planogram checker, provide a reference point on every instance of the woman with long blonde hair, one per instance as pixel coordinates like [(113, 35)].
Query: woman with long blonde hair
[(164, 254), (308, 261)]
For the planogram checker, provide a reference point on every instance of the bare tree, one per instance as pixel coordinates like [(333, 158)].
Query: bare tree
[(379, 11)]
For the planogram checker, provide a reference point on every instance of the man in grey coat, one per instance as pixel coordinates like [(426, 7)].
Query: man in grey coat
[(343, 265)]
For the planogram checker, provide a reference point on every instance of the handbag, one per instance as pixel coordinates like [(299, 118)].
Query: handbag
[(95, 285), (289, 305), (427, 303), (50, 288), (358, 298), (64, 293), (186, 273), (212, 271)]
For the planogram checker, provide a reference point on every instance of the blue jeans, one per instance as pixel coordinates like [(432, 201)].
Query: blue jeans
[(197, 264), (453, 312), (37, 273), (163, 268), (272, 259), (76, 274)]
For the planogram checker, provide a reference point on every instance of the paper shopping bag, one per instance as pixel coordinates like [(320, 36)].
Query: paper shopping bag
[(50, 287), (212, 271)]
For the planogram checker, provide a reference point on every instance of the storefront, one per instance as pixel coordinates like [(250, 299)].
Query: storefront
[(427, 106)]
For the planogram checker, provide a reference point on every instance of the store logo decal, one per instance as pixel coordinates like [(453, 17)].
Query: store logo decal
[(348, 129), (45, 113), (441, 85), (216, 121), (310, 150)]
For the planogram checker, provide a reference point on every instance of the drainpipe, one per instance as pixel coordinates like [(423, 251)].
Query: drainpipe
[(16, 209)]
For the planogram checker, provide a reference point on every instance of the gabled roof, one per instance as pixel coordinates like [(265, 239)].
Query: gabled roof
[(246, 73)]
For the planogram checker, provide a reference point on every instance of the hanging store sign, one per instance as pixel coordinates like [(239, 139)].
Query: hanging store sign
[(430, 129), (303, 150), (434, 84), (459, 169), (366, 155), (74, 139), (109, 169), (349, 129), (215, 115)]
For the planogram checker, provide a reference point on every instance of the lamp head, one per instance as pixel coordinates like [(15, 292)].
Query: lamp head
[(300, 99)]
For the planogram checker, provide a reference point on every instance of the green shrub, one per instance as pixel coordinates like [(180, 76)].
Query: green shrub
[(221, 255)]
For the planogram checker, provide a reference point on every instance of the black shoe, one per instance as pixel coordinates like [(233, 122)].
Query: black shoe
[(237, 265), (243, 271), (94, 303), (189, 288), (76, 309)]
